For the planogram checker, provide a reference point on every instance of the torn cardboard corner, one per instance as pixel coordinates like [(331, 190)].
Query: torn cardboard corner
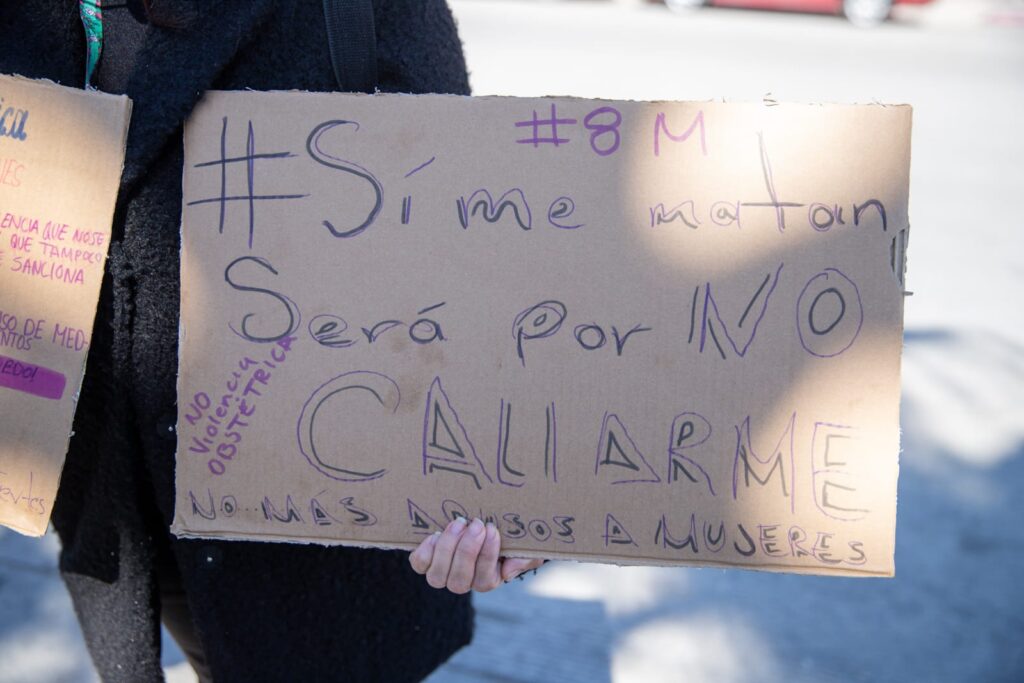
[(61, 155), (628, 332)]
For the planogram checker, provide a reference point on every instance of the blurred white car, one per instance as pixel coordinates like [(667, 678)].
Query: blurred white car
[(859, 12)]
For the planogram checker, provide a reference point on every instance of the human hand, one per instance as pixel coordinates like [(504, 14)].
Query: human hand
[(465, 557)]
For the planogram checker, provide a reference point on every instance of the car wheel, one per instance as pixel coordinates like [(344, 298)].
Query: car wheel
[(866, 13), (684, 5)]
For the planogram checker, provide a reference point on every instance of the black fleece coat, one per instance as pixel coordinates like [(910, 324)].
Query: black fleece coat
[(264, 611)]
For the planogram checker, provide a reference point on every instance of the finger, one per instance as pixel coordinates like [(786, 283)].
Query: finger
[(424, 553), (487, 577), (460, 577), (514, 566), (441, 562)]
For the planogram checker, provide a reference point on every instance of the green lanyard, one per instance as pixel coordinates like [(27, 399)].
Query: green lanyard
[(92, 19)]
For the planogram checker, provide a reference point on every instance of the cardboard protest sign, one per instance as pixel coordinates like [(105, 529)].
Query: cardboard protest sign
[(61, 154), (641, 333)]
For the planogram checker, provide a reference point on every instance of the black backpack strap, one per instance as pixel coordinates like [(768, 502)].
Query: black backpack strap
[(353, 43)]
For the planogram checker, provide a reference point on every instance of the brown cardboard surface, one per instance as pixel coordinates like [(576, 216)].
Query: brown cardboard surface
[(629, 332), (61, 155)]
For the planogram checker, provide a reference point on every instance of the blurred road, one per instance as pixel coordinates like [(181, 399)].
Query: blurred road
[(955, 611)]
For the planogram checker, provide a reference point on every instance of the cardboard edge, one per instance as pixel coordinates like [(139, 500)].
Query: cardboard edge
[(905, 293), (33, 532), (76, 92), (766, 101), (181, 532), (181, 336)]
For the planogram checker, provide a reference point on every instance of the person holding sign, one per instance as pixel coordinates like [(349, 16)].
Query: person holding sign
[(466, 557), (242, 611)]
